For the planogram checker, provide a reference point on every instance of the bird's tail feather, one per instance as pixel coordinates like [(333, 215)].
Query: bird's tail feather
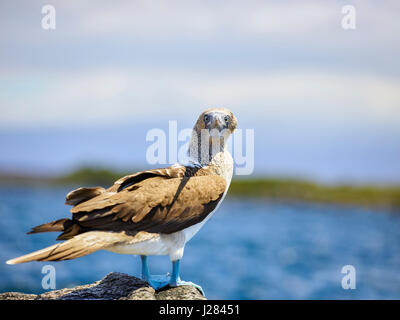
[(74, 248), (58, 225)]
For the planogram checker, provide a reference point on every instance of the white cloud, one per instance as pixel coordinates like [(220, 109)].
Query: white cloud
[(96, 85), (311, 22), (113, 95), (315, 23)]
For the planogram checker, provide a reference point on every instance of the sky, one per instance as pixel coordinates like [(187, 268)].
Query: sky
[(324, 102)]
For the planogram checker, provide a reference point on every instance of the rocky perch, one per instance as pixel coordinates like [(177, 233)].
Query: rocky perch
[(114, 286)]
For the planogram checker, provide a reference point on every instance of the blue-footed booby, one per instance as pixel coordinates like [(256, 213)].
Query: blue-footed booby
[(153, 212)]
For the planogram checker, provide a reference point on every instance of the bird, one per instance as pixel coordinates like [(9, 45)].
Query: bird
[(152, 212)]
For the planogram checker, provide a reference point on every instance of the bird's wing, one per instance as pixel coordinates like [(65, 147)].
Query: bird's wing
[(161, 200), (80, 195)]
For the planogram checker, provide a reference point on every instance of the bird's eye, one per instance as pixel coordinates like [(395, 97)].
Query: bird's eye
[(227, 119), (206, 118)]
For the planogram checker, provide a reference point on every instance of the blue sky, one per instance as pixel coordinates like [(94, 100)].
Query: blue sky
[(324, 102)]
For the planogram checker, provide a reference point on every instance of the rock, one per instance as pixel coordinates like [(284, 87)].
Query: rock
[(181, 293), (17, 296), (114, 286)]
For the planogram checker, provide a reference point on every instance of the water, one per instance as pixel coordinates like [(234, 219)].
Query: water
[(249, 250)]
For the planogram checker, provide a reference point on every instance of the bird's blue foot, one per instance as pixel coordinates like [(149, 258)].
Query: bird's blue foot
[(176, 279), (157, 281), (179, 282), (161, 281)]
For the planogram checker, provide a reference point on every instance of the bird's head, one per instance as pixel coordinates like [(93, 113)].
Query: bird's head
[(210, 133), (217, 121)]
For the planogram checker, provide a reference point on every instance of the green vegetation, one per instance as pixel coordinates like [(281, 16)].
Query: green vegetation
[(91, 176), (297, 190), (387, 197)]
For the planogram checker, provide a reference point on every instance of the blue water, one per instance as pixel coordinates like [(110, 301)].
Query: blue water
[(249, 250)]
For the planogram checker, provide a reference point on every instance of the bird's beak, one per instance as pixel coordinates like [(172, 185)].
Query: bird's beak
[(219, 123)]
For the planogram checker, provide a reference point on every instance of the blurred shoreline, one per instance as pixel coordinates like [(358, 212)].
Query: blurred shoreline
[(269, 188)]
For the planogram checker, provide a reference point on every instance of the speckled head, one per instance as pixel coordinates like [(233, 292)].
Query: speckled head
[(210, 133), (216, 118)]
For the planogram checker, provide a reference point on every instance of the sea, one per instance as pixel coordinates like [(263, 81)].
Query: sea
[(249, 249)]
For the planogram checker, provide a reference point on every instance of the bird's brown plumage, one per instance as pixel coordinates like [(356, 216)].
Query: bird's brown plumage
[(156, 201)]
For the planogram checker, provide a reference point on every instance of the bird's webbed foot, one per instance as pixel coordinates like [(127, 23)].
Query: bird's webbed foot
[(158, 281), (178, 282)]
